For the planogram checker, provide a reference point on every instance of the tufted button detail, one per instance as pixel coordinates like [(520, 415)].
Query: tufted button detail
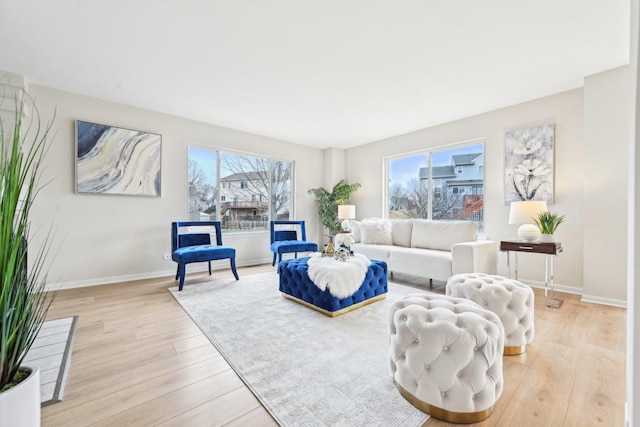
[(443, 394), (445, 348)]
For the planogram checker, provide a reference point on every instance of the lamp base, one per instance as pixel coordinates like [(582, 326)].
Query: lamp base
[(528, 233)]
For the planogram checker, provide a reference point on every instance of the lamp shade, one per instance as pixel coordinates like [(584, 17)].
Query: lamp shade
[(525, 212), (346, 211)]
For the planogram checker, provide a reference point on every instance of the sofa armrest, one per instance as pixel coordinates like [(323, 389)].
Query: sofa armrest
[(480, 256)]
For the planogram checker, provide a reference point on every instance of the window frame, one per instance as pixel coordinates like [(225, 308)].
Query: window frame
[(432, 193), (227, 185)]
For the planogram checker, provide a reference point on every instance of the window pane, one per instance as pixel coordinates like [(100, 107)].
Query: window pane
[(281, 190), (461, 192), (202, 184), (246, 194), (457, 185), (408, 187)]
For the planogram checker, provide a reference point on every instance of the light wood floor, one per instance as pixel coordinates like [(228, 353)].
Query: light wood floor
[(138, 359)]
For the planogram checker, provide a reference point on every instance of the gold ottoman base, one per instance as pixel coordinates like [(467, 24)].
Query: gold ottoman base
[(514, 350), (443, 414)]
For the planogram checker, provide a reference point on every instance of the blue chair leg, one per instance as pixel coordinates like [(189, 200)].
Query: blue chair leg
[(274, 260), (233, 267), (209, 268), (295, 255), (181, 273), (279, 258), (178, 271)]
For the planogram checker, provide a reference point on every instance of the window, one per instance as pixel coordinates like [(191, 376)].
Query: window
[(262, 189), (431, 184)]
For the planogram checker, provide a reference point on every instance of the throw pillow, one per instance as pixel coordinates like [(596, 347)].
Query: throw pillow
[(376, 232)]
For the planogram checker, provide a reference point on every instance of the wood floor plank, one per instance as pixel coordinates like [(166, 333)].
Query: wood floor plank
[(138, 359), (179, 401), (217, 412), (106, 406)]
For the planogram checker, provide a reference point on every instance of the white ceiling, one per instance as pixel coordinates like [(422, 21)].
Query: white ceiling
[(324, 73)]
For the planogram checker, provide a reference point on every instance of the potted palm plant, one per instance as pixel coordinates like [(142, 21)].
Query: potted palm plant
[(23, 300), (328, 202), (548, 222)]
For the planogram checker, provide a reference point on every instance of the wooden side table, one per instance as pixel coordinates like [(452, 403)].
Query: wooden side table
[(549, 250)]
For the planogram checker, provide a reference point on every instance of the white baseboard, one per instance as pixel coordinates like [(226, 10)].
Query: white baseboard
[(604, 301), (579, 291), (196, 268)]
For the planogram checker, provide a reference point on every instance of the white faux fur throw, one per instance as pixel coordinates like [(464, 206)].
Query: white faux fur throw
[(342, 278)]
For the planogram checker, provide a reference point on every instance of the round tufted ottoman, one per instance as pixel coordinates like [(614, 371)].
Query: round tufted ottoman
[(446, 356), (511, 300)]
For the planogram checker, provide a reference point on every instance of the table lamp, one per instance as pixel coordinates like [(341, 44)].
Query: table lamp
[(525, 213), (345, 213)]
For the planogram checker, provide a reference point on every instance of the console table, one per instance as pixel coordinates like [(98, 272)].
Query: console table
[(549, 250)]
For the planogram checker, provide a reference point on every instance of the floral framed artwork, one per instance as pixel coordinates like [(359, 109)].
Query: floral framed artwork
[(113, 160), (529, 164)]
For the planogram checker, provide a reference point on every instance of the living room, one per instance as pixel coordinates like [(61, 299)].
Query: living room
[(102, 240)]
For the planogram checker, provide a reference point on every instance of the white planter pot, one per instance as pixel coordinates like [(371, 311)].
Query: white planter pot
[(547, 238), (20, 405)]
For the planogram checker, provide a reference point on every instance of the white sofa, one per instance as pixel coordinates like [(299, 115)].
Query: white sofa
[(432, 249)]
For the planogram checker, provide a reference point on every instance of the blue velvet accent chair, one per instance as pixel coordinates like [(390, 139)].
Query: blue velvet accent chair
[(191, 242), (286, 241)]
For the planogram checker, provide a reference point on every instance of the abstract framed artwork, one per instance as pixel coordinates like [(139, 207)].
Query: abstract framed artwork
[(113, 160), (528, 171)]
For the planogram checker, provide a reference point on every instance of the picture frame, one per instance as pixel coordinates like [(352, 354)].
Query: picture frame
[(529, 164), (117, 161)]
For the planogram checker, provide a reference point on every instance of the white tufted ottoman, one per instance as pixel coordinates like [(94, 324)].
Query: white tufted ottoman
[(446, 356), (511, 300)]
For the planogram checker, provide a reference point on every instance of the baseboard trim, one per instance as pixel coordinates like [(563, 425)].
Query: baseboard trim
[(200, 267), (579, 291), (604, 301)]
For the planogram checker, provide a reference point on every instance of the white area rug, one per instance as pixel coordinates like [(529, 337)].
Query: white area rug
[(51, 352), (307, 369)]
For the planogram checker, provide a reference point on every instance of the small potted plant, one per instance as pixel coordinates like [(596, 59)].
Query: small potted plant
[(328, 204), (548, 222)]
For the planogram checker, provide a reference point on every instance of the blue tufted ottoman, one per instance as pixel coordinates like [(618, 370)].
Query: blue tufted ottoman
[(296, 285)]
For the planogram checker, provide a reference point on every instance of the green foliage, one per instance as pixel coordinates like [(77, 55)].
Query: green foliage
[(328, 202), (23, 300), (548, 222)]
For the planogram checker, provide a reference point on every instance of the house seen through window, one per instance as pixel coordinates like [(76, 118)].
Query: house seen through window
[(442, 184), (244, 192)]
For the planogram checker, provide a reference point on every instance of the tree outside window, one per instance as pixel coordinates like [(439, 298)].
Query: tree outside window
[(253, 189)]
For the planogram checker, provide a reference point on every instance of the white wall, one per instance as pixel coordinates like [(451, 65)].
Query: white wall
[(606, 140), (633, 266), (365, 165), (103, 238)]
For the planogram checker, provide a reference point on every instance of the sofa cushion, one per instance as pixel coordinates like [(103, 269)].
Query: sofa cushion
[(355, 230), (441, 235), (378, 252), (376, 232), (401, 232), (429, 263)]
